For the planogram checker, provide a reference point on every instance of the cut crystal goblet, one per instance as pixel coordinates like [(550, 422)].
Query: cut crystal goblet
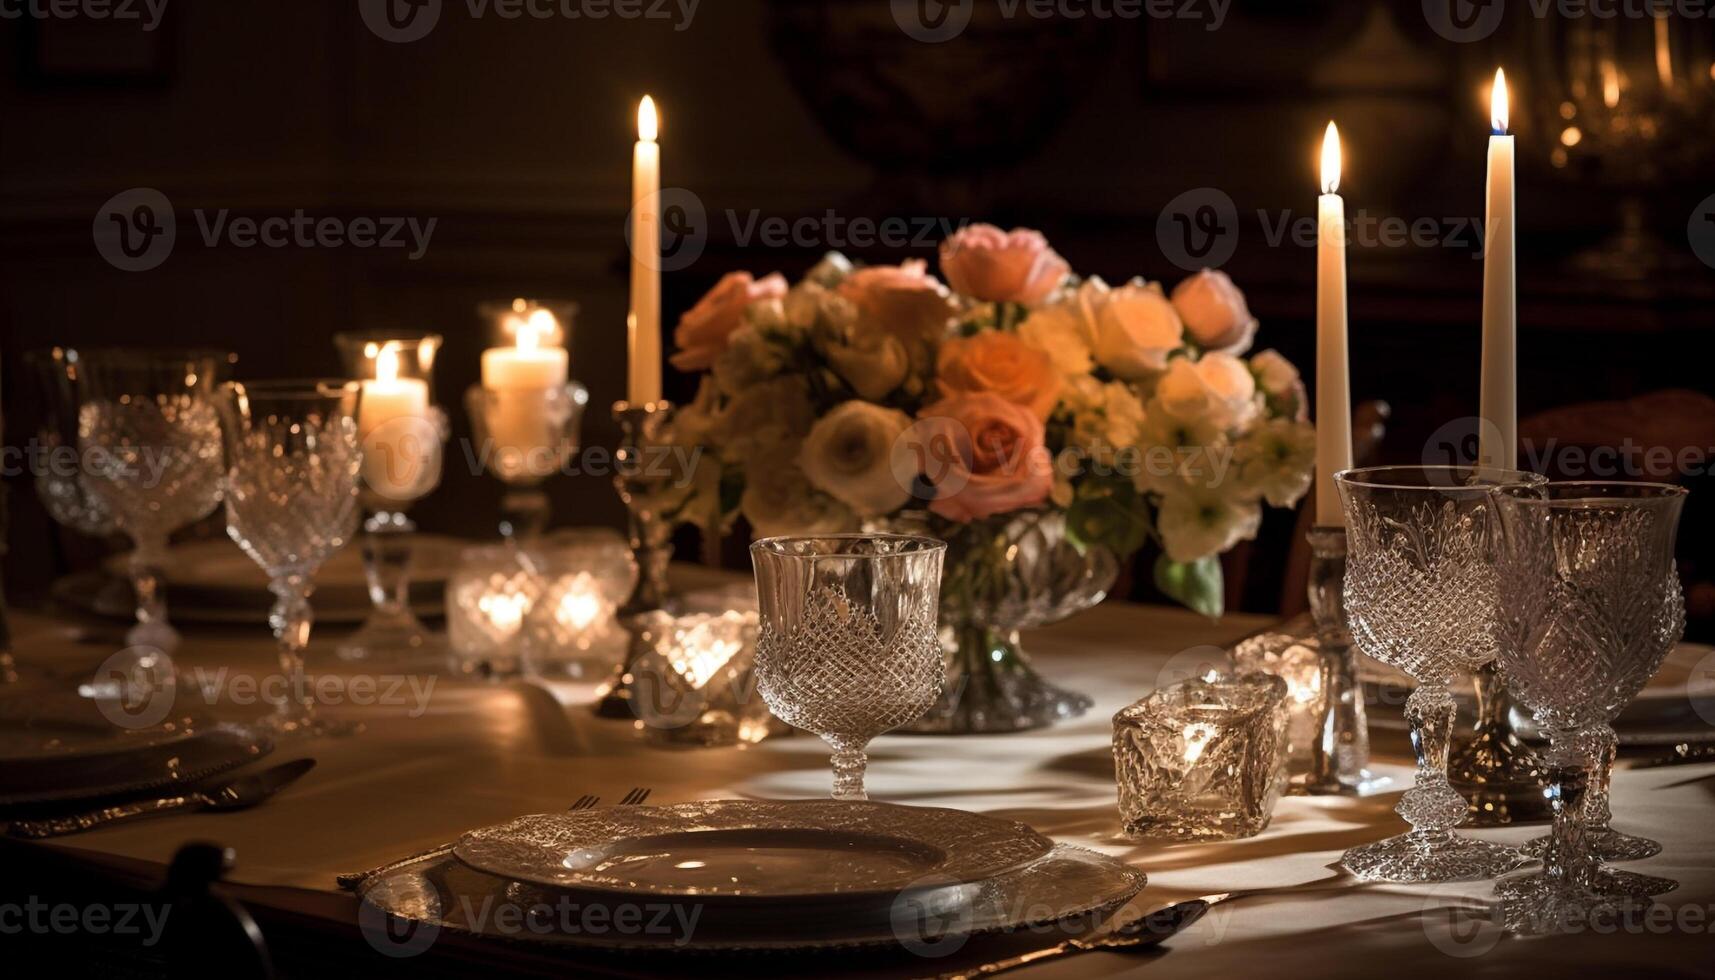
[(149, 436), (1421, 596), (848, 647), (1591, 606), (291, 501)]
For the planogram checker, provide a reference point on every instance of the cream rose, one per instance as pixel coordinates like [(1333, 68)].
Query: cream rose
[(902, 300), (1279, 380), (1067, 329), (703, 332), (1214, 312), (995, 266), (1136, 330), (1217, 388), (874, 364), (778, 499), (849, 456), (1002, 364)]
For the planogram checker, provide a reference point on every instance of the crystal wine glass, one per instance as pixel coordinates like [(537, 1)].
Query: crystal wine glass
[(848, 647), (1591, 606), (401, 432), (61, 483), (1421, 596), (149, 436), (292, 461)]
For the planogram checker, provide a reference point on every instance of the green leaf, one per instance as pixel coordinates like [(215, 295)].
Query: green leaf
[(1196, 585), (1114, 518)]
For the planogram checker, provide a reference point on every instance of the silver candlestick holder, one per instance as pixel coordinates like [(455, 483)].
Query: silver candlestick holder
[(1341, 753), (644, 484)]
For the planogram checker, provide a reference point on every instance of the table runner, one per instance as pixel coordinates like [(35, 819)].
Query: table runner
[(471, 754)]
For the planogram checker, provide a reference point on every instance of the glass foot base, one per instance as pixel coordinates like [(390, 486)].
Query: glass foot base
[(1424, 856), (1608, 882), (399, 642), (1532, 906), (1607, 845)]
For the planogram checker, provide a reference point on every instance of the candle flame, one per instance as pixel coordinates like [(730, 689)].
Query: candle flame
[(648, 123), (387, 363), (1499, 104), (528, 334), (1331, 160)]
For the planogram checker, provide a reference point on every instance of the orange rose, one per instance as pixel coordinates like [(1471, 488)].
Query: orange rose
[(1000, 364), (990, 457), (703, 332)]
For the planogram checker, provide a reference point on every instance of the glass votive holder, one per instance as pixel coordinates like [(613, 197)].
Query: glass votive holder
[(693, 679), (573, 630), (489, 597), (1202, 759), (1298, 662)]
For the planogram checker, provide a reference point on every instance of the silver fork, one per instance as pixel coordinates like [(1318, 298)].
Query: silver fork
[(636, 797), (584, 802)]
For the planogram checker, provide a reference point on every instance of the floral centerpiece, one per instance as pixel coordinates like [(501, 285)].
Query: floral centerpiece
[(1047, 426)]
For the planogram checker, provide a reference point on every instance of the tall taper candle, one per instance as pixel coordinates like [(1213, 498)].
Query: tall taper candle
[(644, 323), (1333, 383), (1498, 443)]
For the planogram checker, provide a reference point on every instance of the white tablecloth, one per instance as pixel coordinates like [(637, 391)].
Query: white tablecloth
[(479, 754)]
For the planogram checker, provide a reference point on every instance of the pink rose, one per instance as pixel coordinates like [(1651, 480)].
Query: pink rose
[(994, 457), (703, 332), (985, 263), (1215, 312), (1001, 364), (902, 300)]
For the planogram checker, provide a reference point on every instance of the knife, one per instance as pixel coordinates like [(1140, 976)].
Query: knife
[(237, 794)]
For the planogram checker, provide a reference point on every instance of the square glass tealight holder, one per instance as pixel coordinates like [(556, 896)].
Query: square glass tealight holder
[(1204, 759)]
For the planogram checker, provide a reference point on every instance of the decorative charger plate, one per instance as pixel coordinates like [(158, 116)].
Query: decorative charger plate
[(1070, 890), (753, 850), (58, 749)]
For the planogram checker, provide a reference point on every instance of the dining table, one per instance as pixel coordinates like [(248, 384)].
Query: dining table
[(441, 754)]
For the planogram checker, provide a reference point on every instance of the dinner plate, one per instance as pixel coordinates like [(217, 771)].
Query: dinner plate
[(753, 850), (58, 748), (1068, 891)]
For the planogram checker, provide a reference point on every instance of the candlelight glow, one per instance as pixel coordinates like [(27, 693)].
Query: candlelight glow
[(648, 123), (528, 334), (1331, 160), (387, 363), (1499, 104)]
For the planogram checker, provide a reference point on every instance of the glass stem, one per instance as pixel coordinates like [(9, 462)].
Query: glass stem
[(291, 619), (1603, 745), (1567, 860), (146, 578), (523, 515), (1432, 807), (849, 765), (387, 543)]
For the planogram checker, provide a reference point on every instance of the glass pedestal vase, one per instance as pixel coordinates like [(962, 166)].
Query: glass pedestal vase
[(992, 687), (1003, 576)]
